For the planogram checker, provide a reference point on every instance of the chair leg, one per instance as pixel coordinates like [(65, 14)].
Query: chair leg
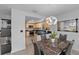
[(63, 53), (42, 53)]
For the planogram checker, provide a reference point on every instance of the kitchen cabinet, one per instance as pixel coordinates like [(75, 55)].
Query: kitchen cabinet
[(5, 36)]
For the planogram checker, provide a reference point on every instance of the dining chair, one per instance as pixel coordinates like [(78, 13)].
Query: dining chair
[(43, 36), (36, 49), (67, 51), (38, 37), (62, 37), (48, 36)]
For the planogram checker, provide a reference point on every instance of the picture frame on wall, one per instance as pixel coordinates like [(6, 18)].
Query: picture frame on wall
[(68, 25)]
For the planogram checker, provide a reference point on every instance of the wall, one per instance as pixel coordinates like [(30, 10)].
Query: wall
[(18, 23), (71, 35), (5, 16)]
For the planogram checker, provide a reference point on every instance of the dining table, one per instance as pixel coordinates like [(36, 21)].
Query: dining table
[(52, 48)]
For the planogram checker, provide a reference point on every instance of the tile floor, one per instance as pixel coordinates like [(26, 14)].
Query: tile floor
[(26, 52)]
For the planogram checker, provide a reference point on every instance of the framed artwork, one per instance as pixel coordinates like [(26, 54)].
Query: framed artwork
[(68, 25)]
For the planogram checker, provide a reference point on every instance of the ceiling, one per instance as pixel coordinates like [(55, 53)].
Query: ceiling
[(4, 10), (41, 9)]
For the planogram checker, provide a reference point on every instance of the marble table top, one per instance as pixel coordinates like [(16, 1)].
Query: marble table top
[(51, 48)]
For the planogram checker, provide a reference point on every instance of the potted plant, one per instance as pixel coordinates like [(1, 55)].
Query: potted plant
[(53, 36)]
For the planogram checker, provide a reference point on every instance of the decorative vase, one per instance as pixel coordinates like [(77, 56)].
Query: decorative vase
[(53, 40)]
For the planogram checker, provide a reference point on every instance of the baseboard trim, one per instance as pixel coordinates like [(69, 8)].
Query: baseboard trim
[(17, 51)]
